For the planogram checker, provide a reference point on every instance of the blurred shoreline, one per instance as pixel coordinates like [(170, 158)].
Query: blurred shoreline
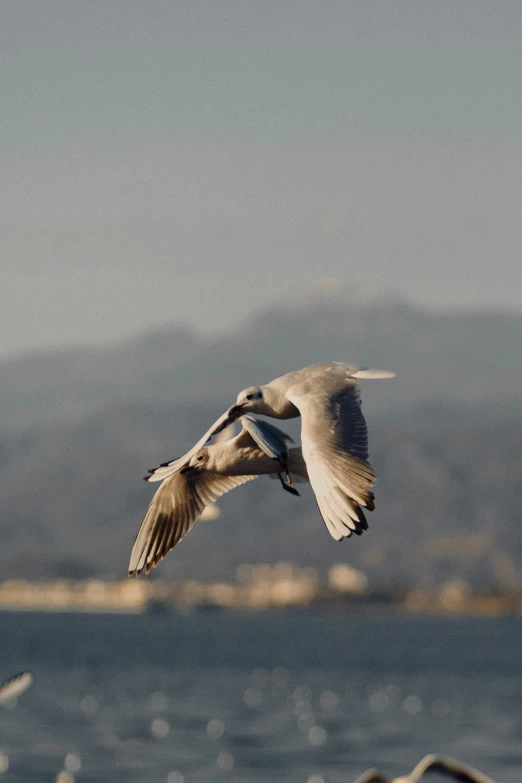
[(263, 587)]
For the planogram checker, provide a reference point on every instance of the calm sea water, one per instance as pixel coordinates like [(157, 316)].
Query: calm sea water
[(292, 696)]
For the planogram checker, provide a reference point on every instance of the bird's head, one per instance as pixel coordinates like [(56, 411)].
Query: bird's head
[(198, 461), (249, 400)]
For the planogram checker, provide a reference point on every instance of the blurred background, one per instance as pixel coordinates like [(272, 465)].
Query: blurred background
[(197, 197)]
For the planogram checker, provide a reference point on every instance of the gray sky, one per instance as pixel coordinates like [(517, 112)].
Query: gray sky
[(190, 161)]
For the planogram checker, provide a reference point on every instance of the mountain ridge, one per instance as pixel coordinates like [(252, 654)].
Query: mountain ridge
[(457, 357)]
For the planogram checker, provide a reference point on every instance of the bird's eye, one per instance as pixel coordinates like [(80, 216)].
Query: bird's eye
[(200, 457), (250, 396)]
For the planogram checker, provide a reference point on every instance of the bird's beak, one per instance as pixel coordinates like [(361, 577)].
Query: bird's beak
[(234, 412), (185, 468)]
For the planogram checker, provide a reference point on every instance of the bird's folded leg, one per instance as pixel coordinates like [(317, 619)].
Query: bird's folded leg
[(292, 490)]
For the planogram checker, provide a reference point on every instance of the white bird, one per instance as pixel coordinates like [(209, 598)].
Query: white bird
[(209, 473), (334, 437), (12, 688), (448, 767)]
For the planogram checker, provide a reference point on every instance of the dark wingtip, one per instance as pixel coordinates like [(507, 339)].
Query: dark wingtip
[(370, 501)]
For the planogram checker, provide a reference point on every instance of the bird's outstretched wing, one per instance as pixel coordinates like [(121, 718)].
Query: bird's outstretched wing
[(12, 688), (447, 767), (450, 768), (174, 509), (335, 448), (372, 776)]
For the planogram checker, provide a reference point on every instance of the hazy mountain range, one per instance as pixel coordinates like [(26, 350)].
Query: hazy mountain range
[(79, 428)]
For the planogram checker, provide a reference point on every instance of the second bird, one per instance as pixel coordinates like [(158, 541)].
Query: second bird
[(208, 474)]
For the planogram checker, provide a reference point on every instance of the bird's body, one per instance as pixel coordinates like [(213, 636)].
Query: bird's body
[(233, 459), (318, 380), (333, 436), (211, 471)]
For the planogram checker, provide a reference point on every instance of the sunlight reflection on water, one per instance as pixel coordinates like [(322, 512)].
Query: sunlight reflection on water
[(111, 717)]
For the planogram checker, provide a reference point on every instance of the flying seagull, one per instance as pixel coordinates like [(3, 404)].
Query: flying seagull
[(446, 767), (209, 473), (334, 439)]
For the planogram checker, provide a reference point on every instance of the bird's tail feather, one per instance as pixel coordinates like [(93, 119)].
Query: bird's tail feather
[(366, 373)]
